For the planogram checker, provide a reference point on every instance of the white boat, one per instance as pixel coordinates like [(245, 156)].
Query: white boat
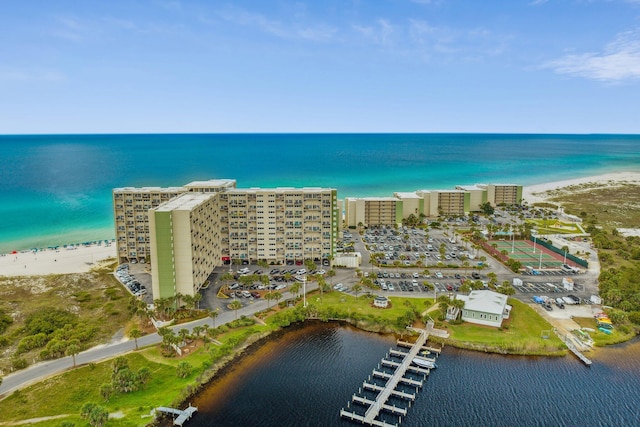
[(424, 363)]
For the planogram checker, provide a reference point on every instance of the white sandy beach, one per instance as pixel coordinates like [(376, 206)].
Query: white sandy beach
[(54, 261), (533, 193)]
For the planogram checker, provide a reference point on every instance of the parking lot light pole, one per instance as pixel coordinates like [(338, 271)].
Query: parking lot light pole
[(304, 290), (540, 264)]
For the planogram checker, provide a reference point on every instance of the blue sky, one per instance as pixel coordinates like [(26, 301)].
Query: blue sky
[(119, 66)]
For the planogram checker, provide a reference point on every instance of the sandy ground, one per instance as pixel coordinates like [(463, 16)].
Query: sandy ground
[(52, 261), (532, 193), (563, 321)]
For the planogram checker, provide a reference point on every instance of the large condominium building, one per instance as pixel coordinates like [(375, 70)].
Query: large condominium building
[(445, 202), (207, 223), (131, 206), (185, 243), (372, 211)]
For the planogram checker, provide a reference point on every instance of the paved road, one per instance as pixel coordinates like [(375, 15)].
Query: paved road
[(49, 368)]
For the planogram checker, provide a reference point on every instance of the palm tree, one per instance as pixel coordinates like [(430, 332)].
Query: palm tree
[(213, 314), (197, 330), (269, 297), (443, 302), (226, 278), (356, 288), (295, 288), (277, 296), (196, 301), (183, 334), (331, 274), (321, 284), (309, 265), (135, 333), (235, 305), (72, 349), (459, 304)]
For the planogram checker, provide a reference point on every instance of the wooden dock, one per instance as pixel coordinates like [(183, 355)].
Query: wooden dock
[(392, 380), (573, 348), (182, 415)]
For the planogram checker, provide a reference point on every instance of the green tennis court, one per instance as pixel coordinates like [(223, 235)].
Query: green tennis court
[(523, 251)]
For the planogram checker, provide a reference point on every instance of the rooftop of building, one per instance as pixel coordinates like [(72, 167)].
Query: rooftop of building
[(374, 199), (439, 191), (475, 187), (484, 301), (212, 183), (184, 202), (406, 195), (149, 189)]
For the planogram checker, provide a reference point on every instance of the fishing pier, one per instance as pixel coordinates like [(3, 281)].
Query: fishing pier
[(401, 366), (182, 415)]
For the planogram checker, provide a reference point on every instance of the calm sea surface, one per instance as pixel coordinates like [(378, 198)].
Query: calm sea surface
[(56, 189), (304, 376)]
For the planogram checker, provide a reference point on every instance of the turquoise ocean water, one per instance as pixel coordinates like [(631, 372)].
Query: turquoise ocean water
[(56, 189)]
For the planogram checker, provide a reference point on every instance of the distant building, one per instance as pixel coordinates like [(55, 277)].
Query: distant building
[(485, 307), (370, 211), (445, 202), (503, 194), (477, 196), (412, 203)]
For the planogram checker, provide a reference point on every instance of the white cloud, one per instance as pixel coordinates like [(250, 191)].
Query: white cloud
[(618, 61), (284, 30), (379, 33), (537, 2)]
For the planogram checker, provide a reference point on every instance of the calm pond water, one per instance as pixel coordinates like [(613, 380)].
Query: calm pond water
[(304, 376)]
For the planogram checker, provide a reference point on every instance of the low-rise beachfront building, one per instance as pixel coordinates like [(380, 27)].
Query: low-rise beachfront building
[(503, 194), (369, 211), (445, 202), (477, 196), (412, 204), (485, 307)]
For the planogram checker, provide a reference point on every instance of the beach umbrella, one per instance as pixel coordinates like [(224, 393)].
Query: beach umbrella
[(14, 252)]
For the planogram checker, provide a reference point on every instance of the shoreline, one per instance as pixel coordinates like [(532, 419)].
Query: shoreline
[(530, 194), (80, 259), (534, 193)]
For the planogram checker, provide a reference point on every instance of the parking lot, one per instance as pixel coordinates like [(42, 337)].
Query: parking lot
[(412, 262)]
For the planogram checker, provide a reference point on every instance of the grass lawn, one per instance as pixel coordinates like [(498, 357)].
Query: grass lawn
[(363, 305), (521, 334), (82, 385)]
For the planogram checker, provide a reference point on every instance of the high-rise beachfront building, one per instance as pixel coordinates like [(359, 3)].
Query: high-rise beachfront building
[(445, 202), (130, 211), (207, 223)]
